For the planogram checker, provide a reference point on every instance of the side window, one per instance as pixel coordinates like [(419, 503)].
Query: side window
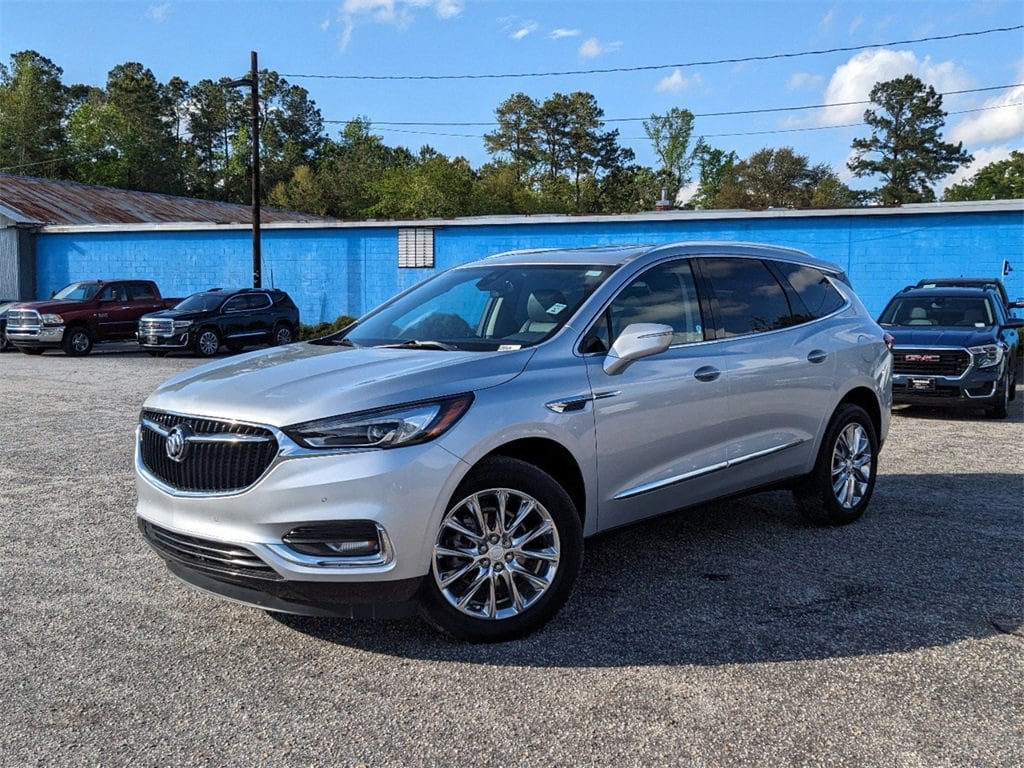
[(815, 290), (235, 304), (750, 299), (664, 294), (258, 301), (113, 292), (140, 292)]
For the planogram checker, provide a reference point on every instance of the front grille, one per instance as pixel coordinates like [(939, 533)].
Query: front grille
[(206, 555), (158, 326), (931, 362), (23, 321), (218, 465)]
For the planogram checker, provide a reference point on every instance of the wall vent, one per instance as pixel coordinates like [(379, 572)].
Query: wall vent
[(415, 247)]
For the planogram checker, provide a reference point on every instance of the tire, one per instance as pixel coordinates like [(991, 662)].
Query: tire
[(1002, 406), (839, 488), (31, 350), (77, 341), (207, 342), (282, 335), (496, 578)]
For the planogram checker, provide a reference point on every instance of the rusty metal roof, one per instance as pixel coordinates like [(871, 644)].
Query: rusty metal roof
[(30, 200)]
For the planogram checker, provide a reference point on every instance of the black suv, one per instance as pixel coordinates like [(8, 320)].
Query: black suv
[(954, 347), (205, 320)]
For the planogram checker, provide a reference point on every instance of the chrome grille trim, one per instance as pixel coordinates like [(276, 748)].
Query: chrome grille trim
[(224, 456), (953, 362), (24, 321), (207, 555), (157, 326)]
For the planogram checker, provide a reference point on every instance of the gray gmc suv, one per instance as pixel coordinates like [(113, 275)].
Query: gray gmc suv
[(452, 449)]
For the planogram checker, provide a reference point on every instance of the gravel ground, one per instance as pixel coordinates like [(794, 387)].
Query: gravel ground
[(730, 635)]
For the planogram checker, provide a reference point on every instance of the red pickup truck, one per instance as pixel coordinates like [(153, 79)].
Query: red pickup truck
[(82, 314)]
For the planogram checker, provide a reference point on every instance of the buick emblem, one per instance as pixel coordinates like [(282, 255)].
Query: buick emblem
[(177, 442)]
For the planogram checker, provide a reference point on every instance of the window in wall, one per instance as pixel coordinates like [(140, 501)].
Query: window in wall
[(415, 247)]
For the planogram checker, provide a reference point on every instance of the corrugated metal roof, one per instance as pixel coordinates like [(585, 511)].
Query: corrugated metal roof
[(30, 200)]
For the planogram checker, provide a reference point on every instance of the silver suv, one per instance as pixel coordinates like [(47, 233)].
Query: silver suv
[(452, 449)]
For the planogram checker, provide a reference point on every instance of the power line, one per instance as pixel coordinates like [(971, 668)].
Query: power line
[(731, 113), (655, 67)]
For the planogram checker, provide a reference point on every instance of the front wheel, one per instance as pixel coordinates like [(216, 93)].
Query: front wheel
[(1002, 406), (506, 555), (207, 342), (839, 488), (77, 342)]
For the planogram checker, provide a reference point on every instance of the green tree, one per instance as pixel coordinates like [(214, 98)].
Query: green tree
[(33, 108), (773, 178), (905, 147), (1001, 180), (216, 113), (670, 136), (291, 128), (515, 139), (435, 186), (715, 166)]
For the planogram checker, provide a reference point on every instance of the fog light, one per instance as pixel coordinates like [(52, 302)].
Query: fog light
[(349, 538)]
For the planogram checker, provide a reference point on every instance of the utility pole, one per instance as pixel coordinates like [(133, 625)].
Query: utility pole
[(253, 81)]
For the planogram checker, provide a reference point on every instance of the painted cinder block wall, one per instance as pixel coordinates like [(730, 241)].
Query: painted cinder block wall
[(348, 268)]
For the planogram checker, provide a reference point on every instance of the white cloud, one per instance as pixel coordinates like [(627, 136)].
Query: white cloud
[(677, 82), (828, 18), (802, 80), (982, 157), (397, 13), (523, 31), (591, 48), (853, 81), (158, 12), (558, 34), (856, 24), (1002, 119)]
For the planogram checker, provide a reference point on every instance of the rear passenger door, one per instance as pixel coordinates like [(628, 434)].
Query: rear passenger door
[(780, 361)]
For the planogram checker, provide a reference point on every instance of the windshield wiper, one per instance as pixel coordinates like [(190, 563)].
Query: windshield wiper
[(420, 344)]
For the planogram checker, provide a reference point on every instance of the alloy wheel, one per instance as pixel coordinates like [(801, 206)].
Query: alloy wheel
[(851, 465), (496, 554)]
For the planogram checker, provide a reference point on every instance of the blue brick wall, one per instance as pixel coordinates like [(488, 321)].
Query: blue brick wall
[(350, 269)]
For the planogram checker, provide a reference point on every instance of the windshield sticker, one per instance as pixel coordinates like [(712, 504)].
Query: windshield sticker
[(554, 309), (594, 273), (509, 347)]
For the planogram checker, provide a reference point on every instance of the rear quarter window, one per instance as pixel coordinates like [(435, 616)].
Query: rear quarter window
[(819, 296)]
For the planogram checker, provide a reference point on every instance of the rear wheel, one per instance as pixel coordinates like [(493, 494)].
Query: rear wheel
[(282, 335), (207, 342), (77, 341), (839, 489), (506, 555)]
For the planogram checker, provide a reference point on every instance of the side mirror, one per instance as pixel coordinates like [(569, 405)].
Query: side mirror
[(1018, 304), (637, 340), (1014, 322)]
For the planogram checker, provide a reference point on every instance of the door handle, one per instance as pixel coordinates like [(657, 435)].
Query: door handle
[(706, 373), (817, 356)]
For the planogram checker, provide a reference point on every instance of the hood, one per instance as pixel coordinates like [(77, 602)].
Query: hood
[(178, 314), (51, 307), (299, 382), (941, 337)]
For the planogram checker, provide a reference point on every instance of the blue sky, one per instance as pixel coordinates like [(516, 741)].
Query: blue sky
[(209, 39)]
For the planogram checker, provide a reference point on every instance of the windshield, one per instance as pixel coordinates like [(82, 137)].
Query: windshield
[(480, 308), (77, 292), (201, 302), (944, 311)]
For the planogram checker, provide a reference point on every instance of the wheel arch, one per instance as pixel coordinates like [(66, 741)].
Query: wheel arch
[(865, 398), (554, 459)]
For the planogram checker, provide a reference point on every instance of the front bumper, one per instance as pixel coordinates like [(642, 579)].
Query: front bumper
[(403, 491), (160, 341), (973, 391), (45, 336)]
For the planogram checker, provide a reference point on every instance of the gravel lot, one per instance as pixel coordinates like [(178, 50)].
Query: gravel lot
[(734, 634)]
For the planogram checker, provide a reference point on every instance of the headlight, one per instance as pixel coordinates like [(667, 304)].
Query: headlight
[(52, 320), (987, 355), (180, 325), (383, 428)]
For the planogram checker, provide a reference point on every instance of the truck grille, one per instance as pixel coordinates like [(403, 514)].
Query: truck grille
[(206, 555), (157, 326), (217, 456), (931, 362), (23, 321)]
